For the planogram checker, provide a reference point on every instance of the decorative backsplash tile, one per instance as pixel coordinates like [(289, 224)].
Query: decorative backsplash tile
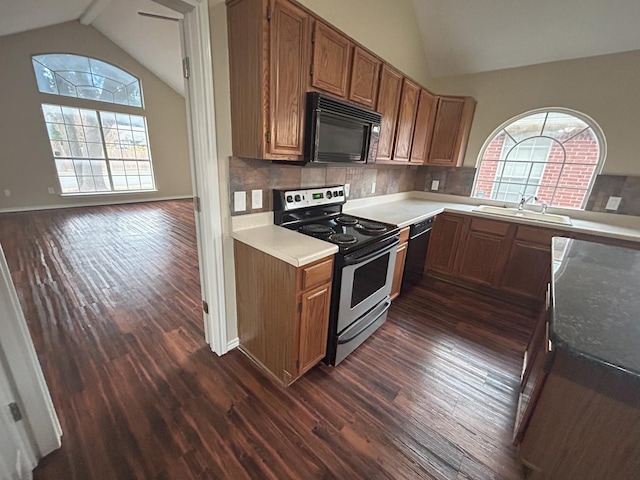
[(247, 175), (453, 180), (626, 187)]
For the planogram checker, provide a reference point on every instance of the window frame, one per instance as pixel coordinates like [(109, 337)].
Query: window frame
[(97, 106), (592, 124)]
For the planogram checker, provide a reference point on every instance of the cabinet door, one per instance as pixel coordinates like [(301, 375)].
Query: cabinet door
[(425, 119), (483, 250), (406, 121), (331, 56), (364, 78), (443, 243), (537, 358), (451, 131), (398, 271), (288, 78), (388, 105), (314, 326)]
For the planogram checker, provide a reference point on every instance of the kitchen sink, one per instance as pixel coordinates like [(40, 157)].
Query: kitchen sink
[(524, 214)]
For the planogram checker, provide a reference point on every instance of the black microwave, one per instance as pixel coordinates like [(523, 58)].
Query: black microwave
[(340, 132)]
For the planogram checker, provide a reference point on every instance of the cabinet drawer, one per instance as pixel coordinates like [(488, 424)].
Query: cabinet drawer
[(489, 226), (316, 274), (404, 235)]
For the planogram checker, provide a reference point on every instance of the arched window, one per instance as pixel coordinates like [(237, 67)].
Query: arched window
[(95, 150), (551, 154)]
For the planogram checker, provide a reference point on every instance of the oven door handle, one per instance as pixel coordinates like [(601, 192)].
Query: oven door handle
[(387, 304), (348, 260)]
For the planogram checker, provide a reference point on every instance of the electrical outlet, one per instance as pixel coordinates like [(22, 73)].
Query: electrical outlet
[(373, 187), (256, 199), (347, 186), (51, 190), (7, 193), (239, 201), (435, 184), (613, 203)]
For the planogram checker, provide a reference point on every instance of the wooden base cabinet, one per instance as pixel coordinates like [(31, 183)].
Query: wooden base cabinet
[(508, 258), (401, 258), (283, 312)]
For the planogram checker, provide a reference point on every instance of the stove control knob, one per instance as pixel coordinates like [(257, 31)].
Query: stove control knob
[(297, 198), (336, 193), (289, 198), (341, 193), (329, 194)]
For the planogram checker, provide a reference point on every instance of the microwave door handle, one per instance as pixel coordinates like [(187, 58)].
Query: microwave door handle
[(377, 253)]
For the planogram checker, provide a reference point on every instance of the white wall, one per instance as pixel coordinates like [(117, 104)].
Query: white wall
[(605, 87)]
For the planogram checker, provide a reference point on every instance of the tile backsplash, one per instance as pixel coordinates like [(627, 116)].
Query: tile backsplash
[(624, 186), (247, 174)]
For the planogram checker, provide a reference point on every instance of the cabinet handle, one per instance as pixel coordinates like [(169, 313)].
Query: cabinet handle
[(547, 300)]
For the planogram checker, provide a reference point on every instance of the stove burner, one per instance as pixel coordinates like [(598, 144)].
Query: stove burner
[(343, 238), (346, 220), (371, 227), (316, 229)]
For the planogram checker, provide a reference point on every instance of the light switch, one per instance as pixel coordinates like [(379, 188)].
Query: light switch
[(435, 184), (613, 203), (52, 190), (256, 199), (7, 193), (239, 201)]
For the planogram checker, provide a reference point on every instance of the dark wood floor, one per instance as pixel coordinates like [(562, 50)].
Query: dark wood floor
[(111, 297)]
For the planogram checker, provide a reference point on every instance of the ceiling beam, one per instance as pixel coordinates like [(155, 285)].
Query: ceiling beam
[(92, 12)]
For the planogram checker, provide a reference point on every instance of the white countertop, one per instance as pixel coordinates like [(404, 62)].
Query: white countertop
[(411, 207), (258, 231), (404, 209)]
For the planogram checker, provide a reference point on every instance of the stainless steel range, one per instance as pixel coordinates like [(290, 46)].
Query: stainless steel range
[(363, 267)]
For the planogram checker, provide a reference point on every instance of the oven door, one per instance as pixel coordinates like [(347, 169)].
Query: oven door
[(366, 278)]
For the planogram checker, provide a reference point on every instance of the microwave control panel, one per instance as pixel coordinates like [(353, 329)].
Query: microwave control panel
[(313, 197)]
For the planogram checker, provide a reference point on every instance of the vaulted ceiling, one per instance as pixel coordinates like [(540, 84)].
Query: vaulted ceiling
[(468, 36), (459, 36)]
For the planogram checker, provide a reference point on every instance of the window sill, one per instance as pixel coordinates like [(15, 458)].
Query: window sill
[(97, 194)]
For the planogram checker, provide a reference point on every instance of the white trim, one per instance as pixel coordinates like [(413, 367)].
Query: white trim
[(235, 343), (92, 204), (23, 366), (204, 159)]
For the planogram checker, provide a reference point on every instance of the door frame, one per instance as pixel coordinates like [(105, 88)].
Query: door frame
[(24, 369), (201, 124)]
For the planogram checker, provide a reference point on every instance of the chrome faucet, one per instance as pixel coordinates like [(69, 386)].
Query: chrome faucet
[(524, 200), (544, 208)]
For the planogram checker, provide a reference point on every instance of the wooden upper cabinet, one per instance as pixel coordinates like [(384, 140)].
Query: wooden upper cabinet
[(365, 73), (425, 119), (289, 33), (451, 131), (406, 121), (388, 105), (268, 69), (331, 60)]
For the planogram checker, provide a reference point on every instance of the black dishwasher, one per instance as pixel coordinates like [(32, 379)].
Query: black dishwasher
[(416, 252)]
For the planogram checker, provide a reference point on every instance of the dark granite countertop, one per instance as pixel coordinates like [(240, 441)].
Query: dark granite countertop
[(596, 303)]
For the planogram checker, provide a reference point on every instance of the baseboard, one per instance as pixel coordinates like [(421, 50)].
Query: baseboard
[(231, 344), (92, 204)]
